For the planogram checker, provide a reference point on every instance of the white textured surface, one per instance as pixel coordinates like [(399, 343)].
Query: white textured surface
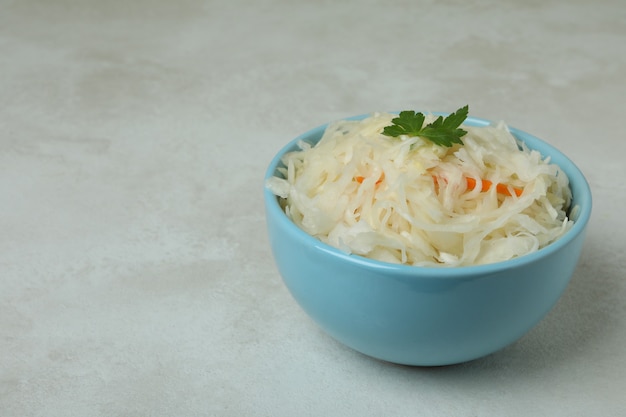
[(135, 274)]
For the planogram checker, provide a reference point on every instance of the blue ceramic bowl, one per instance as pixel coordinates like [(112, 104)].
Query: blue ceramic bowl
[(425, 315)]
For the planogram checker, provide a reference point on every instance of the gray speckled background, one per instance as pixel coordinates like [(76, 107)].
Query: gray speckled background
[(135, 273)]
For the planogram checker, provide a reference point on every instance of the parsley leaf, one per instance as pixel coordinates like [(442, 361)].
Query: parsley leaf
[(443, 131), (406, 124)]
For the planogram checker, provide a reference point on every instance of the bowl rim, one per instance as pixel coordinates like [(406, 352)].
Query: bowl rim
[(578, 184)]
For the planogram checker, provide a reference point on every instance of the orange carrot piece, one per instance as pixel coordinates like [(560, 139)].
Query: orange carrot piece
[(504, 189), (471, 184), (360, 179), (486, 185)]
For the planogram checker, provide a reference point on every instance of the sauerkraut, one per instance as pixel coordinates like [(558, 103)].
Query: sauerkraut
[(406, 200)]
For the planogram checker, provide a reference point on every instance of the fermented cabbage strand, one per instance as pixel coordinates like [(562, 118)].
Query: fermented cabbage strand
[(407, 200)]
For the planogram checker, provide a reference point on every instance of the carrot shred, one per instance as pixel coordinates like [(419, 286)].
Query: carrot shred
[(360, 179), (486, 185)]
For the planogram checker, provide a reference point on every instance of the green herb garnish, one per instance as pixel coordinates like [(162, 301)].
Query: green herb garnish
[(443, 131)]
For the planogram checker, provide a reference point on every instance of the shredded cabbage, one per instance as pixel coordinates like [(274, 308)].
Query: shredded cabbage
[(406, 200)]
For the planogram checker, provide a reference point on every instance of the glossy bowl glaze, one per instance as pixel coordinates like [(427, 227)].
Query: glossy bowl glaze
[(425, 315)]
